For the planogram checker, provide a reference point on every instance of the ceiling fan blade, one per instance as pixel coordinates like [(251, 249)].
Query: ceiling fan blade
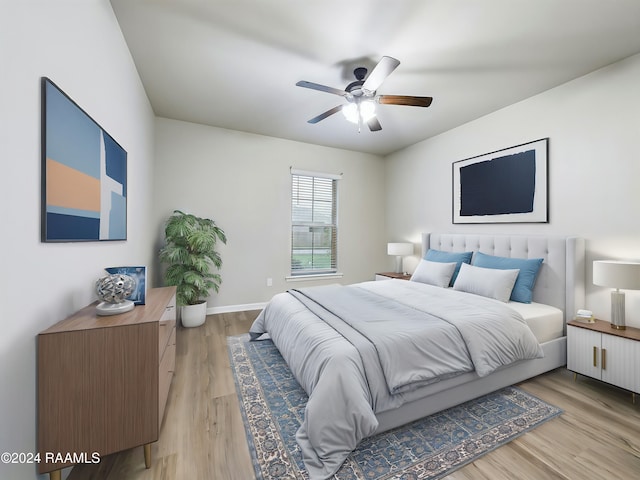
[(374, 124), (322, 88), (381, 71), (404, 100), (326, 114)]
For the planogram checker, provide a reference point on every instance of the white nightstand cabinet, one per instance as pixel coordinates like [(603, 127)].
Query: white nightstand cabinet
[(598, 351)]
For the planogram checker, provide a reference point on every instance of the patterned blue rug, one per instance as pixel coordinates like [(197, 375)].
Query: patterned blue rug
[(272, 405)]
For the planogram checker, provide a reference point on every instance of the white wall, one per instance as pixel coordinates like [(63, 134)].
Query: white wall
[(78, 44), (243, 182), (593, 125)]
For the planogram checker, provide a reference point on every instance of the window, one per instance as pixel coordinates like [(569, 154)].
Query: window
[(314, 228)]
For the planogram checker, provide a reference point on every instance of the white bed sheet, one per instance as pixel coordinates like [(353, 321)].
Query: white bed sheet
[(546, 322)]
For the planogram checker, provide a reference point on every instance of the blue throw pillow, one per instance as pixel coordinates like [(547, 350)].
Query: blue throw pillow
[(529, 268), (449, 257)]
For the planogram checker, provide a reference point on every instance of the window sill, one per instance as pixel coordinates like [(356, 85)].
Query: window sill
[(317, 276)]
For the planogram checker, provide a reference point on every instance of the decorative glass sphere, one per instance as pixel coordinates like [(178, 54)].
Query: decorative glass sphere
[(115, 288)]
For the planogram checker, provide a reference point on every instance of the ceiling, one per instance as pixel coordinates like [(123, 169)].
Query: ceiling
[(234, 63)]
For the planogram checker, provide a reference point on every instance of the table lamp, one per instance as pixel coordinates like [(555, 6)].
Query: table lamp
[(399, 250), (617, 274)]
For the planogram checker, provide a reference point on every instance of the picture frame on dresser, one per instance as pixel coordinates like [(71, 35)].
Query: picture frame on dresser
[(139, 274), (505, 186)]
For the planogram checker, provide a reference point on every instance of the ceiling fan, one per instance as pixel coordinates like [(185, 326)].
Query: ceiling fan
[(361, 95)]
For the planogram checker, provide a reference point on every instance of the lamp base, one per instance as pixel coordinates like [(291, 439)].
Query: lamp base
[(617, 310), (106, 308), (399, 264)]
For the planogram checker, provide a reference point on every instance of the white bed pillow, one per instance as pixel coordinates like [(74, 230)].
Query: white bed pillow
[(434, 273), (488, 282)]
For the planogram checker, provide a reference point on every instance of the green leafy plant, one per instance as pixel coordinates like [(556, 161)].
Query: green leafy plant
[(190, 254)]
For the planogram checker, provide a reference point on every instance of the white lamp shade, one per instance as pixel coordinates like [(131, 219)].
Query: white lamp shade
[(399, 248), (617, 274)]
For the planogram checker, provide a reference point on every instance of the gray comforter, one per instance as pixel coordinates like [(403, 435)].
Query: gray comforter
[(362, 349)]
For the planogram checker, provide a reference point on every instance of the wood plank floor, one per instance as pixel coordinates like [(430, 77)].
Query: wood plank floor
[(202, 437)]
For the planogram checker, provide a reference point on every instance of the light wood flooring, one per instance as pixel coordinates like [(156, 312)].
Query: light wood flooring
[(202, 437)]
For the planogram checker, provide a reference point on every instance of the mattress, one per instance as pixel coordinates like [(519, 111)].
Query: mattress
[(546, 322)]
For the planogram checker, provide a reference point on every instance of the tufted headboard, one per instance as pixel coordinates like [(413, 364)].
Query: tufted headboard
[(561, 281)]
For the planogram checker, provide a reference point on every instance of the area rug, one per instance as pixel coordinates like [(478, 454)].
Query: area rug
[(272, 405)]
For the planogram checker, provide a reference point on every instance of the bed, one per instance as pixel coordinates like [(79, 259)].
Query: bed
[(356, 350)]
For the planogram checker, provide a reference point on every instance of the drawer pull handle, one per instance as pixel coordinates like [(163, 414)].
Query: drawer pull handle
[(595, 356), (604, 358)]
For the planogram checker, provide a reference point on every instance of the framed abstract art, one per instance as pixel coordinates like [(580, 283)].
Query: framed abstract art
[(84, 174), (505, 186)]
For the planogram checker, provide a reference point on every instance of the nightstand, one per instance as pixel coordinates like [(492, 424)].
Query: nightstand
[(390, 275), (598, 351)]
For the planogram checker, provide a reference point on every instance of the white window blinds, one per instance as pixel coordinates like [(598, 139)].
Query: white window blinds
[(314, 228)]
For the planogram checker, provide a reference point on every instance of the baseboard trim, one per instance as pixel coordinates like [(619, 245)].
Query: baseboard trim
[(236, 308)]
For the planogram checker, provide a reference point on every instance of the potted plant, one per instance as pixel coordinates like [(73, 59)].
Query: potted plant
[(190, 253)]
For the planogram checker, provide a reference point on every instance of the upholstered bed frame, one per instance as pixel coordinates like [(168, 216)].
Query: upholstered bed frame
[(560, 283)]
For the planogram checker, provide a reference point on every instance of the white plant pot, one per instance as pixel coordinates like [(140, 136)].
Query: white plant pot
[(193, 315)]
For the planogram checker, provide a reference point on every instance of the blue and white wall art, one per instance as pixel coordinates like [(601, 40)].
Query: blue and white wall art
[(84, 174)]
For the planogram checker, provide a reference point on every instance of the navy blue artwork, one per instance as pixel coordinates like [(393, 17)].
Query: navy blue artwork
[(502, 185)]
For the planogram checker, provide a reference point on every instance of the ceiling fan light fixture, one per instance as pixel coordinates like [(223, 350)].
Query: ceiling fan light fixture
[(359, 112), (367, 110), (350, 112)]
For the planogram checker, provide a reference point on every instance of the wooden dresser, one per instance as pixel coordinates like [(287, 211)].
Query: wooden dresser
[(103, 381)]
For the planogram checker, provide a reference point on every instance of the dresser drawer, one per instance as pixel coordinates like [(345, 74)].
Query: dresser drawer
[(170, 310), (166, 369), (166, 335)]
